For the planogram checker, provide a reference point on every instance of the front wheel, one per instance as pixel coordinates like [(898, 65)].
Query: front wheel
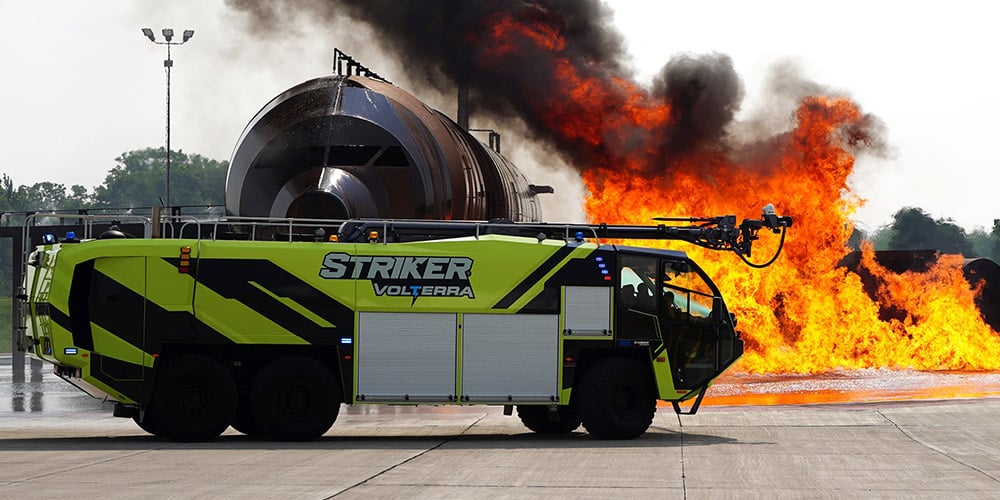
[(148, 424), (194, 400), (543, 420), (615, 399)]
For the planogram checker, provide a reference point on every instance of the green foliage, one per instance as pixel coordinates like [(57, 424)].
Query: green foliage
[(857, 237), (6, 268), (882, 236), (40, 196), (6, 326), (139, 180), (982, 244), (995, 236), (914, 229)]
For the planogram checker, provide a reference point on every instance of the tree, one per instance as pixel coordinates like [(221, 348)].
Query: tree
[(995, 236), (858, 236), (40, 196), (139, 180), (914, 229), (882, 237)]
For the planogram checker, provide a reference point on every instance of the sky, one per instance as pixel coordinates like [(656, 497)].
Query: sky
[(80, 85)]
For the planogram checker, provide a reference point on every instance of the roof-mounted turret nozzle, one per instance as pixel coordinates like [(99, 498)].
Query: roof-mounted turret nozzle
[(772, 221)]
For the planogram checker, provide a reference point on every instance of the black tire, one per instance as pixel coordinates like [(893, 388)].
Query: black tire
[(148, 424), (540, 419), (615, 399), (295, 398), (244, 420), (194, 399)]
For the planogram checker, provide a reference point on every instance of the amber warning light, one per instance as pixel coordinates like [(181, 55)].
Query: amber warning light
[(185, 262)]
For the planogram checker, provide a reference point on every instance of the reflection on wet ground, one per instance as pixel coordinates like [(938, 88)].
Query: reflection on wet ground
[(41, 391), (854, 386)]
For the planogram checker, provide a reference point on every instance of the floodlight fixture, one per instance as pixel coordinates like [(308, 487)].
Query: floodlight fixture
[(168, 63)]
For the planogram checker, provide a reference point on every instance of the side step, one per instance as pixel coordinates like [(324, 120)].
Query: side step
[(694, 407)]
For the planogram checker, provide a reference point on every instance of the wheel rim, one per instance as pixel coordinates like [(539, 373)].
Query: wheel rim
[(296, 401), (625, 399), (192, 400)]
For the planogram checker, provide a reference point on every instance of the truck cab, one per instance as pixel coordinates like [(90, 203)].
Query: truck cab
[(664, 297)]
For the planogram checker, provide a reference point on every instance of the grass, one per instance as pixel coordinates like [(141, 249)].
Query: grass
[(6, 324)]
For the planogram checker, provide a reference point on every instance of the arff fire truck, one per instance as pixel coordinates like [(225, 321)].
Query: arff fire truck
[(271, 334)]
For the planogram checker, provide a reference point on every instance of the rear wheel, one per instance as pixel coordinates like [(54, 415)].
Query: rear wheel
[(615, 399), (541, 419), (244, 420), (194, 400), (295, 398)]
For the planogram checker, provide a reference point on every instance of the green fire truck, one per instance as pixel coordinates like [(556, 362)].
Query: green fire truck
[(270, 331)]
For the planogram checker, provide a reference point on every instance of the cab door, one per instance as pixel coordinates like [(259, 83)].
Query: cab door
[(637, 314), (669, 301), (687, 311), (115, 322)]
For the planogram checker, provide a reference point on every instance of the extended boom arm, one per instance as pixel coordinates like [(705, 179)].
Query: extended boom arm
[(716, 233)]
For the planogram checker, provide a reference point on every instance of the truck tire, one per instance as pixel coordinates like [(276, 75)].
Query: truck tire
[(540, 419), (615, 399), (295, 398), (244, 420), (148, 424), (194, 399)]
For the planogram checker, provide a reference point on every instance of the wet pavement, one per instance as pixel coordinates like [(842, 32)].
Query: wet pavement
[(41, 391), (894, 434), (851, 386)]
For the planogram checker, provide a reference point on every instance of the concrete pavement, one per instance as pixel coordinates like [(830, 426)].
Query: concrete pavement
[(72, 447)]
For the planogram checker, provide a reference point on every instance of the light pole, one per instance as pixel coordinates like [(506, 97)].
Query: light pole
[(168, 36)]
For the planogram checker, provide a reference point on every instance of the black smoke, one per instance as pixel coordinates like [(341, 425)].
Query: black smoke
[(704, 93), (442, 43)]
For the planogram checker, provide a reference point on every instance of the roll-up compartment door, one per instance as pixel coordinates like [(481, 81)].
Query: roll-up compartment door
[(510, 358), (406, 357), (587, 310)]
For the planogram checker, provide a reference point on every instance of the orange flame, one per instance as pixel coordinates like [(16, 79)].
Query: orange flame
[(806, 313)]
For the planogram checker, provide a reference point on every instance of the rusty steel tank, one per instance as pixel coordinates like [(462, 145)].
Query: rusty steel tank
[(339, 147)]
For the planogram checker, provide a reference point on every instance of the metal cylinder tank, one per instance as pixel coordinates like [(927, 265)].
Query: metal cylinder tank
[(341, 147)]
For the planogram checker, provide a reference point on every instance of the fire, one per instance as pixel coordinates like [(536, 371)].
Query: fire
[(805, 313)]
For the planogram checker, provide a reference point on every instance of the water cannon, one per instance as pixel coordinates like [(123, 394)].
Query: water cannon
[(715, 233), (774, 222), (778, 224)]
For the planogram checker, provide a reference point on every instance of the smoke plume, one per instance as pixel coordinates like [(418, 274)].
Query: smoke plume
[(559, 67)]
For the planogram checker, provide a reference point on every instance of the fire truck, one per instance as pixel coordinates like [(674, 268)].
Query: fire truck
[(271, 330)]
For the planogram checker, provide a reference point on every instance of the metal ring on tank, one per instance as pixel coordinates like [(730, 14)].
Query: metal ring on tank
[(343, 194)]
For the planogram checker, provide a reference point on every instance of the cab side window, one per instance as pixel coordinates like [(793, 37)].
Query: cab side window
[(637, 279)]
